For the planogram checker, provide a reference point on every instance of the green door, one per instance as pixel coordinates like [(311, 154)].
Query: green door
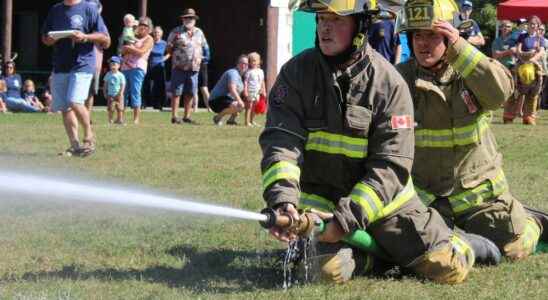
[(304, 31)]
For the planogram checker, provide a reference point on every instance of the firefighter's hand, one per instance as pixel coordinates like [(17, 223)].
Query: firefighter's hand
[(333, 233), (447, 30), (283, 234)]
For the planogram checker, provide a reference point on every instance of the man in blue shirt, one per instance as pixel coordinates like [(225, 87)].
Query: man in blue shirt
[(225, 98), (74, 64), (383, 38), (472, 35)]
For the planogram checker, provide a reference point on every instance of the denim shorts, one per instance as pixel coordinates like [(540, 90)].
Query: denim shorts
[(68, 89), (184, 82), (134, 85)]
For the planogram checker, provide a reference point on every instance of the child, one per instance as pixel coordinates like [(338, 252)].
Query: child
[(29, 94), (3, 90), (128, 33), (254, 87), (113, 89)]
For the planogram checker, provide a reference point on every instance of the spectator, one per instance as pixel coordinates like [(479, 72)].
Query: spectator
[(226, 97), (473, 34), (14, 100), (254, 87), (47, 99), (528, 73), (519, 30), (544, 94), (134, 65), (383, 38), (94, 88), (503, 47), (155, 80), (185, 44), (203, 77), (128, 32), (113, 89), (29, 94), (74, 66), (3, 96)]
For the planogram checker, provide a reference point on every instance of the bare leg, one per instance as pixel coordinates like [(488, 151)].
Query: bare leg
[(205, 95), (188, 105), (110, 109), (175, 106), (82, 114), (71, 127), (136, 115)]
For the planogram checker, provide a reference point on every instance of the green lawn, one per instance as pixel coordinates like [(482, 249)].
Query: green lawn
[(51, 249)]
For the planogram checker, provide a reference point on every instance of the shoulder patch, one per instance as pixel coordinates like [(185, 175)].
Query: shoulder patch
[(402, 122), (279, 93)]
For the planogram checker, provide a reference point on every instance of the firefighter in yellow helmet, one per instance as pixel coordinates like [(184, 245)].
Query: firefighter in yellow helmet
[(339, 139), (457, 167)]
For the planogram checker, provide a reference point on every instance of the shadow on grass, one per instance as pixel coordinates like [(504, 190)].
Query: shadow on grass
[(219, 271)]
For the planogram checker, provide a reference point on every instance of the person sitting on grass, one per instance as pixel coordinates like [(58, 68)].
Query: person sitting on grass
[(254, 87), (14, 100), (226, 97), (29, 94), (113, 89)]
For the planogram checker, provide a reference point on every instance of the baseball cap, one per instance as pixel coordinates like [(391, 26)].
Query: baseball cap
[(115, 59), (467, 4)]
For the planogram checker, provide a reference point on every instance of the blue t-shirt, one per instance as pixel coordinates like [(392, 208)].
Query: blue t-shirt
[(221, 88), (114, 83), (383, 39), (405, 51), (158, 52), (68, 56), (14, 84), (529, 43)]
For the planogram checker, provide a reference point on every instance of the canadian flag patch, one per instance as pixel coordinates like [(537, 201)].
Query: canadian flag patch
[(402, 122), (470, 104)]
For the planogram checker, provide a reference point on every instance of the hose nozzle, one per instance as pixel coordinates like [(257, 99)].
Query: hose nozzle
[(304, 226)]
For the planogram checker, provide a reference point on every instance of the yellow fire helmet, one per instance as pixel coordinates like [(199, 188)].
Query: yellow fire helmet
[(420, 14), (347, 7), (527, 73)]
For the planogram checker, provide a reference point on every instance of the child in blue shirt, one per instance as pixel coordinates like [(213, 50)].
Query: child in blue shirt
[(29, 94), (113, 89)]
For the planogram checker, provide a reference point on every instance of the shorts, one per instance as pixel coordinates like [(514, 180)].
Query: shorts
[(184, 82), (202, 76), (134, 85), (68, 89), (221, 103), (94, 86)]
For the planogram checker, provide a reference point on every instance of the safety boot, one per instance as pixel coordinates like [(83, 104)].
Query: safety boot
[(529, 120), (486, 252), (542, 220)]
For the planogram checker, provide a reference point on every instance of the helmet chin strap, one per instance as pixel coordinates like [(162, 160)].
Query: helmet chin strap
[(358, 43)]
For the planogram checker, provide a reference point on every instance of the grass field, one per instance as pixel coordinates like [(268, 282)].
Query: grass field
[(50, 249)]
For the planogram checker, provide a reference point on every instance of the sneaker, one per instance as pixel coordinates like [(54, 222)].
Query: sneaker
[(189, 121), (176, 120), (217, 120), (232, 122)]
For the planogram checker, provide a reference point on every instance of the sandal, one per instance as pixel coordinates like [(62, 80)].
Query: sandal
[(87, 148)]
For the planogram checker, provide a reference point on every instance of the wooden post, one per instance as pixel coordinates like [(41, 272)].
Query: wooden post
[(143, 8), (271, 46), (7, 25)]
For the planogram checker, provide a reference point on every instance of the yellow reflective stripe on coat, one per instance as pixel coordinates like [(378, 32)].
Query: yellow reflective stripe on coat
[(476, 196), (449, 138), (317, 202), (531, 234), (461, 246), (281, 170), (467, 60), (426, 197), (331, 143), (373, 206)]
